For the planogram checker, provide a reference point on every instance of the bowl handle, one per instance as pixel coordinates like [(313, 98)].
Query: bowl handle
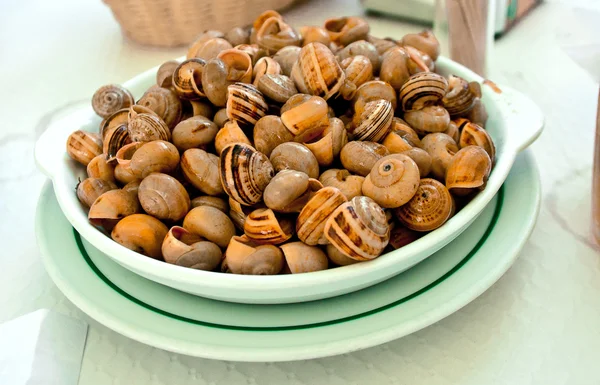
[(523, 118)]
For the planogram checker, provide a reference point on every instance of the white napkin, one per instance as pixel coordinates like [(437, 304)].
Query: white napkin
[(41, 348)]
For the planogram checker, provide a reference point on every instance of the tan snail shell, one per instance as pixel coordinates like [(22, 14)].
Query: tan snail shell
[(239, 66), (442, 148), (429, 119), (430, 207), (187, 79), (245, 173), (286, 57), (313, 34), (115, 139), (453, 131), (220, 117), (274, 34), (164, 103), (83, 146), (141, 233), (163, 197), (89, 189), (320, 70), (294, 156), (382, 45), (364, 48), (459, 99), (246, 257), (201, 169), (393, 181), (229, 134), (100, 168), (195, 132), (238, 35), (183, 248), (201, 40), (210, 223), (358, 70), (394, 68), (373, 123), (327, 147), (112, 206), (263, 227), (265, 66), (424, 41), (373, 90), (406, 132), (302, 258), (358, 229), (359, 157), (155, 156), (468, 171), (346, 30), (146, 127), (421, 158), (215, 80), (278, 88), (418, 61), (125, 154), (269, 132), (245, 104), (209, 49), (422, 90), (207, 200), (110, 98), (289, 191), (474, 135), (350, 185), (164, 74), (116, 119), (311, 221), (395, 143), (306, 120), (124, 175)]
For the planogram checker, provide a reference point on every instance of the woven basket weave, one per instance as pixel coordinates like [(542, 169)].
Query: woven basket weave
[(171, 23)]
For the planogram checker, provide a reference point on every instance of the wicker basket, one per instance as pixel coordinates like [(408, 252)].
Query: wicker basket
[(171, 23)]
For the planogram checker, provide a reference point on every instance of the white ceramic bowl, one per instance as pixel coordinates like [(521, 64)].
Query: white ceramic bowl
[(514, 123)]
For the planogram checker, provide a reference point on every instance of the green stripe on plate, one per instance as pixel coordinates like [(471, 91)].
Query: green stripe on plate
[(400, 301)]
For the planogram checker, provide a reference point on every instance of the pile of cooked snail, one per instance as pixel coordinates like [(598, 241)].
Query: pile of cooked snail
[(274, 150)]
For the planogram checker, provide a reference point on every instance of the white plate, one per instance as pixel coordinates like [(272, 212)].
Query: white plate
[(166, 318), (514, 123)]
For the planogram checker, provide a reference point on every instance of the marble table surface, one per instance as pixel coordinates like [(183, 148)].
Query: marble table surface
[(540, 324)]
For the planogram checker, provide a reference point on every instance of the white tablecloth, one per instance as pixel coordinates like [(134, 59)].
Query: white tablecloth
[(540, 324)]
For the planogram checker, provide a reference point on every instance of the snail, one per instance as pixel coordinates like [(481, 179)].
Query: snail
[(208, 49), (164, 74), (401, 236), (320, 71), (195, 132), (90, 189), (313, 34), (155, 156), (146, 126), (289, 191), (245, 104), (468, 171), (210, 223), (428, 119), (163, 197), (421, 158), (346, 30), (265, 66), (327, 146), (311, 221), (359, 157), (229, 67), (112, 206), (364, 48), (207, 200), (220, 117), (305, 119), (286, 57), (275, 34), (382, 45), (84, 146), (373, 122), (201, 40), (358, 70), (348, 184), (442, 148), (237, 36), (277, 87), (187, 79), (115, 120), (229, 134), (422, 90), (245, 257), (371, 91), (111, 98), (394, 67), (453, 131), (295, 156), (473, 134), (201, 169), (393, 181), (100, 168), (269, 132), (262, 226), (302, 258), (183, 248), (460, 98), (141, 233), (425, 42), (164, 102), (430, 207)]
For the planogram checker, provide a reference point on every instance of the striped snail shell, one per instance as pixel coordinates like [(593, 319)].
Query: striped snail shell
[(146, 127), (468, 171), (114, 139), (358, 70), (460, 97), (311, 221), (245, 104), (430, 207), (263, 227), (320, 70), (422, 89), (358, 229), (164, 102), (116, 119), (84, 146), (374, 123), (245, 173), (110, 98), (474, 135), (187, 79)]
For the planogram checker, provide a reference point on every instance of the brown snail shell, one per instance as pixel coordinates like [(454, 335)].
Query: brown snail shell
[(155, 156), (163, 197), (312, 34), (239, 66), (195, 132), (263, 227), (358, 70), (468, 171), (201, 40), (359, 157), (253, 50), (364, 48), (382, 45), (421, 158), (311, 221), (294, 156), (358, 229), (418, 61), (394, 67), (374, 122), (320, 70), (215, 80), (210, 223), (277, 87), (349, 185), (265, 66), (274, 34), (90, 189), (442, 149), (430, 207), (187, 79), (164, 74), (245, 173), (402, 236), (422, 90), (245, 257), (146, 127), (207, 200), (124, 175), (110, 98), (238, 213), (424, 41), (337, 257), (83, 146), (346, 30), (327, 147), (453, 131), (164, 103), (393, 181), (201, 169), (395, 143), (306, 120), (115, 120), (474, 135), (427, 120), (112, 206), (406, 132), (229, 134), (269, 132), (141, 233), (125, 154), (100, 168), (245, 104), (289, 191), (459, 99), (238, 35), (132, 187), (209, 49), (302, 258), (115, 139), (221, 117), (286, 57), (371, 91), (182, 248)]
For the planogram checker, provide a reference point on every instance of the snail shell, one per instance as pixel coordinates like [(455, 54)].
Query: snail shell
[(337, 257), (110, 98), (263, 227), (265, 66), (195, 132), (418, 61), (394, 67), (429, 119), (215, 81), (359, 157), (406, 132), (329, 144), (474, 135), (286, 57), (373, 90), (183, 248), (239, 65), (393, 181), (274, 34), (164, 74), (358, 229), (245, 257), (155, 156), (459, 99), (207, 200), (163, 197), (424, 41), (302, 258), (83, 146), (90, 189), (245, 104), (395, 143), (311, 221), (295, 156), (112, 206), (209, 49), (431, 206), (100, 168), (312, 34), (210, 223), (124, 175), (373, 123), (289, 191), (346, 30), (269, 132), (141, 233), (278, 88), (421, 158), (146, 127), (164, 103), (187, 79), (350, 185), (453, 131), (238, 35), (402, 236), (115, 120), (201, 40), (382, 45), (306, 120), (229, 134), (422, 90), (245, 173), (358, 70), (115, 139), (468, 171), (478, 113), (363, 48), (320, 70), (221, 117), (201, 169), (442, 148)]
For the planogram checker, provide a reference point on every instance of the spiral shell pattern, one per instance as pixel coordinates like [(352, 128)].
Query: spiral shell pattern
[(430, 207), (110, 98), (245, 104), (422, 89), (311, 221), (263, 227)]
